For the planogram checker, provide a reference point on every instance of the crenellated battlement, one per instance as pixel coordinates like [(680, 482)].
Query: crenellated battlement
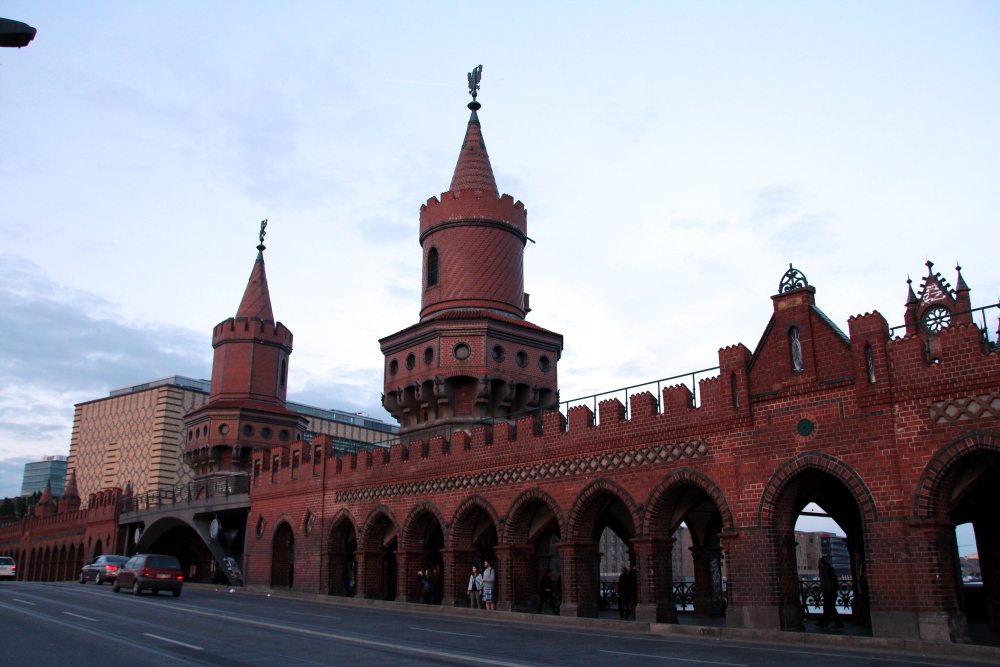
[(247, 328), (471, 205)]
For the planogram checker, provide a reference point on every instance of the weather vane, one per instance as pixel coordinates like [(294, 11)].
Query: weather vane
[(263, 226), (475, 76)]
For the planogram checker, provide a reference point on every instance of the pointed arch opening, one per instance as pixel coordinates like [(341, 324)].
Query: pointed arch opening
[(687, 515), (534, 533), (816, 507), (432, 267), (473, 541), (283, 557), (378, 566), (423, 539), (342, 562), (603, 506)]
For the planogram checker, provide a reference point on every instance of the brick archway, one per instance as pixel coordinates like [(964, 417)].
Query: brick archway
[(421, 547), (835, 486), (583, 518), (686, 496), (820, 462), (342, 548), (685, 477), (378, 574), (516, 529), (942, 470), (960, 486), (461, 532)]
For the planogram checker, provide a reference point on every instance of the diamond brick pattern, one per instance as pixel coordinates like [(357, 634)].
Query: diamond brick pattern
[(964, 409), (655, 455)]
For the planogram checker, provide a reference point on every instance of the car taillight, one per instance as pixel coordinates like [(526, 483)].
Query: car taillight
[(111, 568), (13, 568), (148, 573), (180, 577)]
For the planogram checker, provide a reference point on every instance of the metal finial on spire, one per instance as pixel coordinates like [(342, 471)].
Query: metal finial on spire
[(475, 76), (792, 280), (263, 226)]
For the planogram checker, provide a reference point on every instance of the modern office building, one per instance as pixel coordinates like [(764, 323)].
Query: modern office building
[(50, 470)]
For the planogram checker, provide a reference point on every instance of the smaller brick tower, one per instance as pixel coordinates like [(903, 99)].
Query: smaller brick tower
[(472, 358), (246, 407)]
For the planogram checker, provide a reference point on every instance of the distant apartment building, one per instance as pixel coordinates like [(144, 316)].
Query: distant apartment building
[(133, 436), (50, 470), (614, 555)]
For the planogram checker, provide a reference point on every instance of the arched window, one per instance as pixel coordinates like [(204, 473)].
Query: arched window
[(432, 267), (736, 390), (796, 346), (870, 362)]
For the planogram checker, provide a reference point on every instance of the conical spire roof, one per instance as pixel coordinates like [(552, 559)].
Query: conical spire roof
[(473, 171), (256, 301)]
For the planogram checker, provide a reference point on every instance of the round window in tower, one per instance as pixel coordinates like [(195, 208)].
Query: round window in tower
[(265, 433), (393, 367), (223, 429), (462, 351), (247, 430), (411, 361), (543, 364), (521, 358), (498, 354), (428, 355)]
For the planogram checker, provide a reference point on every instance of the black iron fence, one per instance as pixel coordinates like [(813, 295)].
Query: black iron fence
[(203, 491), (810, 594)]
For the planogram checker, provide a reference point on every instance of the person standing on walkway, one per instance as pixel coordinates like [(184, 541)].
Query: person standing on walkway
[(475, 589), (624, 594), (547, 592), (489, 582), (829, 584)]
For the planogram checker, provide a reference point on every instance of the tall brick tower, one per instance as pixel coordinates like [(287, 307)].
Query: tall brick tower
[(472, 358), (246, 408)]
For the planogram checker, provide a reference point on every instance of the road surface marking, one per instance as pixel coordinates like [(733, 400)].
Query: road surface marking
[(442, 632), (668, 657), (23, 601), (86, 618), (306, 613), (173, 641)]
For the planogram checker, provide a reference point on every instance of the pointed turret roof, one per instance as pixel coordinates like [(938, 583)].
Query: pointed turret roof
[(256, 303), (911, 297), (962, 286), (473, 171)]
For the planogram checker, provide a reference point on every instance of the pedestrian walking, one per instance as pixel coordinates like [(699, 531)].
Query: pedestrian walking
[(828, 584), (547, 593)]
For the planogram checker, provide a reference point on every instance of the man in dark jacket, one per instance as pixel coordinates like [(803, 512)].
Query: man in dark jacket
[(829, 584)]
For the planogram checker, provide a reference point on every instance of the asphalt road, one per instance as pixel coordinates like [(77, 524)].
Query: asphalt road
[(83, 625)]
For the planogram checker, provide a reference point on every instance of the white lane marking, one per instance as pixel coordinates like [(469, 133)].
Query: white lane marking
[(667, 657), (86, 618), (442, 632), (306, 613), (23, 601), (173, 641), (464, 658)]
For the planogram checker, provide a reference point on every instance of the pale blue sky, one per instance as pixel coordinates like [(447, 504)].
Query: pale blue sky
[(673, 157)]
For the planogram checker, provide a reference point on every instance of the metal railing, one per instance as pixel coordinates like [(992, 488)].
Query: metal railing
[(979, 317), (194, 492), (810, 594)]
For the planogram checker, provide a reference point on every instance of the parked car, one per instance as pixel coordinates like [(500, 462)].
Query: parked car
[(105, 568), (150, 572), (8, 570)]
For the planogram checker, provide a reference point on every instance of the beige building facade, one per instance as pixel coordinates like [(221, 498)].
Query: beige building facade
[(134, 436)]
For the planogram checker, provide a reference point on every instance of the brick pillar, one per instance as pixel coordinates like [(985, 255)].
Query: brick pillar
[(369, 574), (580, 579), (930, 565), (456, 569), (702, 581), (752, 589), (655, 580), (515, 575), (407, 584)]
